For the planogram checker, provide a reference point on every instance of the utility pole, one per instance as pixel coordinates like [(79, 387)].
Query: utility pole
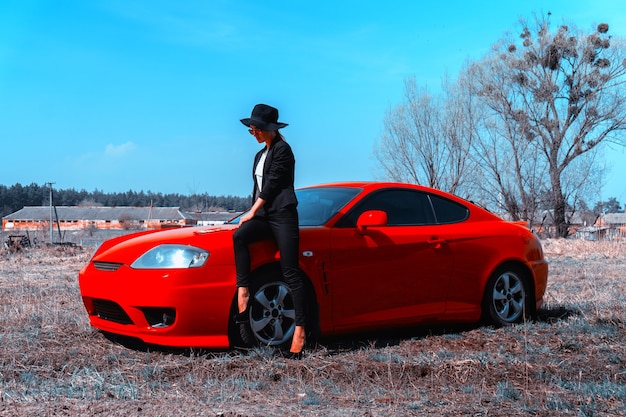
[(50, 184)]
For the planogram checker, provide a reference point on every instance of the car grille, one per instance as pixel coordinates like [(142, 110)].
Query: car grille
[(107, 266), (108, 310)]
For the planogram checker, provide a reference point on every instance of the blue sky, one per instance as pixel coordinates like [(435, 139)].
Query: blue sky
[(147, 95)]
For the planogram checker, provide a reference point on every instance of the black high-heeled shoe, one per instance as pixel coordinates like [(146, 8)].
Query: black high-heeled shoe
[(295, 356)]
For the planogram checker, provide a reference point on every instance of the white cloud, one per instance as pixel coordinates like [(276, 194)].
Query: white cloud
[(119, 150)]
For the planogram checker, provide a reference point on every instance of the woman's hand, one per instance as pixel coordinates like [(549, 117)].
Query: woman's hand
[(248, 216)]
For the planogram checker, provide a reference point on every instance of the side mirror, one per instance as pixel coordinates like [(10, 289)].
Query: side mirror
[(371, 218)]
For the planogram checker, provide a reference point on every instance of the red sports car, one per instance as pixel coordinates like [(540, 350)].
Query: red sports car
[(376, 255)]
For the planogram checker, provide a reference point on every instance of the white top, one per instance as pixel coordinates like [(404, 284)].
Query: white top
[(258, 172)]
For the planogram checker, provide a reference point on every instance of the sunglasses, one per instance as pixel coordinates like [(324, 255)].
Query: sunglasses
[(254, 131)]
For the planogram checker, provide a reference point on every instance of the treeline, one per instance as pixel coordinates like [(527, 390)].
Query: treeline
[(15, 197)]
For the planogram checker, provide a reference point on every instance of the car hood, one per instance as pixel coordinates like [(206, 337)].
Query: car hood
[(126, 249)]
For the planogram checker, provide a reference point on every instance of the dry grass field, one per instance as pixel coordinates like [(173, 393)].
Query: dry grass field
[(571, 361)]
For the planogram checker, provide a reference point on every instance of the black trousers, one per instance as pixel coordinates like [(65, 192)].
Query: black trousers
[(282, 225)]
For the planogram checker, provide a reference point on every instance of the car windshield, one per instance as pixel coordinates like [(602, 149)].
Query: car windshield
[(317, 205)]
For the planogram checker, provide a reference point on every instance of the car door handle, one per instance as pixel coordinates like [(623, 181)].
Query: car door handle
[(435, 242)]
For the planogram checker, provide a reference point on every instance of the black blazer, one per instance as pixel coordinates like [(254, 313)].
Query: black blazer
[(278, 177)]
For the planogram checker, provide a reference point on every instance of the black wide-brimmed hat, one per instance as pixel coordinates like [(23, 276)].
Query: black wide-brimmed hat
[(264, 117)]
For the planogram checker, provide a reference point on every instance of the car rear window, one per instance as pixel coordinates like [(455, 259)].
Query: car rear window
[(448, 211)]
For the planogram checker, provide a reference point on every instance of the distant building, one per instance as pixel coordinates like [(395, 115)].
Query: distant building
[(107, 218), (213, 218), (615, 223), (593, 232), (543, 223)]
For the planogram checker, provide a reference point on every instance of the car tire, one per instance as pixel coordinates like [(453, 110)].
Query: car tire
[(245, 335), (506, 297), (271, 312)]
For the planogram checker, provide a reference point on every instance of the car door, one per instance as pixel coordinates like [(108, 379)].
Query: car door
[(390, 274)]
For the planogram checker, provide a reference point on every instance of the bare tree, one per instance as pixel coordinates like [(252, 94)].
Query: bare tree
[(553, 99), (127, 221), (513, 175), (426, 139)]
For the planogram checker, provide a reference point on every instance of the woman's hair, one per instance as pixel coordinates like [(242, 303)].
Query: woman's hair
[(280, 135)]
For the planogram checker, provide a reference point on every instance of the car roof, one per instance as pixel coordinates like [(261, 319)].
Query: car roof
[(368, 185)]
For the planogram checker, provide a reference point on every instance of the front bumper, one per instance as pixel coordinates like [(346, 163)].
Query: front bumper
[(178, 308)]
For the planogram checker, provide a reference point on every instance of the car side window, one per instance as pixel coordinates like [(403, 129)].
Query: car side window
[(448, 211), (403, 208)]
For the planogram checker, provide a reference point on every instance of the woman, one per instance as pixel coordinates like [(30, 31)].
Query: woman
[(273, 213)]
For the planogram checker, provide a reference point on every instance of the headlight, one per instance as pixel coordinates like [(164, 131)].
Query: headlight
[(171, 257)]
